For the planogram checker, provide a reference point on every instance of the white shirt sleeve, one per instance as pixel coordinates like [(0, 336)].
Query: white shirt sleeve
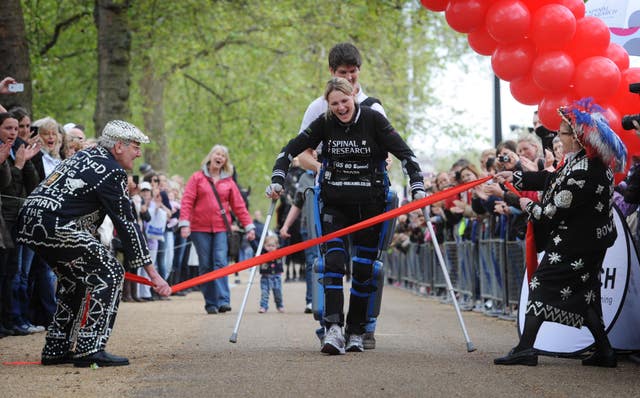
[(378, 108), (316, 108)]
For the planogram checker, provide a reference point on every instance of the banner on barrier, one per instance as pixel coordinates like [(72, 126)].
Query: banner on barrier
[(620, 292)]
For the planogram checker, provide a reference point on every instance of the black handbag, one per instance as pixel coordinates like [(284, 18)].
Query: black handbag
[(234, 238)]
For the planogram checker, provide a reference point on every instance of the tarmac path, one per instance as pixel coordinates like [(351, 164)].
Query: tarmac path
[(177, 350)]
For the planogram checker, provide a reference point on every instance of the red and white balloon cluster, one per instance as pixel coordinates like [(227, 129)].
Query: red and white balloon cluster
[(550, 53)]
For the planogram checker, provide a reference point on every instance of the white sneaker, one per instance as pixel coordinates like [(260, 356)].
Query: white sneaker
[(35, 329), (355, 343), (333, 341)]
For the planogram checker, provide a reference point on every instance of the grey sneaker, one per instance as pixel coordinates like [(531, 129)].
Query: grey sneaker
[(333, 341), (369, 341), (355, 343)]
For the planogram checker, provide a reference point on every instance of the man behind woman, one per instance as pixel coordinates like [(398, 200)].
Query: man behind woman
[(356, 142)]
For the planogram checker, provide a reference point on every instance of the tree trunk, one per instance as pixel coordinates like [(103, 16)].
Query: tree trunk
[(14, 53), (114, 45), (152, 90)]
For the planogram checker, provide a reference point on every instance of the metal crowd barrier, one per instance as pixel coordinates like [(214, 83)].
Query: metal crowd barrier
[(486, 276)]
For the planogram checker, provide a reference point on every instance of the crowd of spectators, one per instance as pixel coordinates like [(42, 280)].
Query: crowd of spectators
[(490, 210), (30, 151)]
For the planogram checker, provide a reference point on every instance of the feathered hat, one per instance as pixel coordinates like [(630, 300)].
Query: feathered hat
[(586, 120)]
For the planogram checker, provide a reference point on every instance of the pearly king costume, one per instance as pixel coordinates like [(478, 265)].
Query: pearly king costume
[(60, 221)]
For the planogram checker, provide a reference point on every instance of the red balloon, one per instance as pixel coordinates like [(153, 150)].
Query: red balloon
[(508, 21), (577, 7), (632, 142), (626, 102), (548, 109), (466, 15), (525, 91), (553, 71), (534, 5), (597, 77), (628, 138), (435, 5), (511, 61), (619, 55), (552, 27), (481, 42), (592, 38)]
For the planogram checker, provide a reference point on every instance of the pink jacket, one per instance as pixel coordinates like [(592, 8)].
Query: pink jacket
[(199, 207)]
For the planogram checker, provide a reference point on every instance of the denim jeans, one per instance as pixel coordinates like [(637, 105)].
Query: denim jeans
[(246, 252), (159, 259), (20, 286), (274, 283), (42, 302), (310, 256), (212, 255), (168, 252), (179, 249)]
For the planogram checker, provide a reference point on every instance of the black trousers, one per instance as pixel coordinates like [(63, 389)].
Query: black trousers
[(364, 244), (89, 289)]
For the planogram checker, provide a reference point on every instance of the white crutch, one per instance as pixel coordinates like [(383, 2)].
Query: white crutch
[(234, 335), (443, 266)]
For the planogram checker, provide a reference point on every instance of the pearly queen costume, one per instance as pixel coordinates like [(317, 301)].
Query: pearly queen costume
[(60, 221), (573, 222)]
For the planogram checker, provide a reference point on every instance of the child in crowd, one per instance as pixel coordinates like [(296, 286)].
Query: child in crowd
[(271, 277)]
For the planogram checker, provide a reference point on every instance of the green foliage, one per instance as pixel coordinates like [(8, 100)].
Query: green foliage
[(63, 67), (242, 73)]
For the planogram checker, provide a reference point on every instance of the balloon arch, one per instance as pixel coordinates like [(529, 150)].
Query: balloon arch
[(551, 54)]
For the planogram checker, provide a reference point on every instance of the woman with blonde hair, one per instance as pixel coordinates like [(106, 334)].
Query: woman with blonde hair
[(356, 142), (51, 140), (532, 155), (201, 217)]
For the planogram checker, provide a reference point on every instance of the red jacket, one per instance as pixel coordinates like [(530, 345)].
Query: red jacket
[(199, 207)]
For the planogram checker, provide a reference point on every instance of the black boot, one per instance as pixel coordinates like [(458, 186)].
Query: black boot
[(101, 359), (528, 357), (604, 356), (603, 359), (66, 358), (524, 353)]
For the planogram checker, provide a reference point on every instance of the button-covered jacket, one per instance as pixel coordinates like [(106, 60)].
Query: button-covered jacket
[(75, 198)]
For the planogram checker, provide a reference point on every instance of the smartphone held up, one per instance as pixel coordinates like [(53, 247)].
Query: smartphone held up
[(16, 87)]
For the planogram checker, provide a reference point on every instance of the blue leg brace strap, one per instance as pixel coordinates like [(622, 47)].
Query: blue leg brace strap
[(332, 280)]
